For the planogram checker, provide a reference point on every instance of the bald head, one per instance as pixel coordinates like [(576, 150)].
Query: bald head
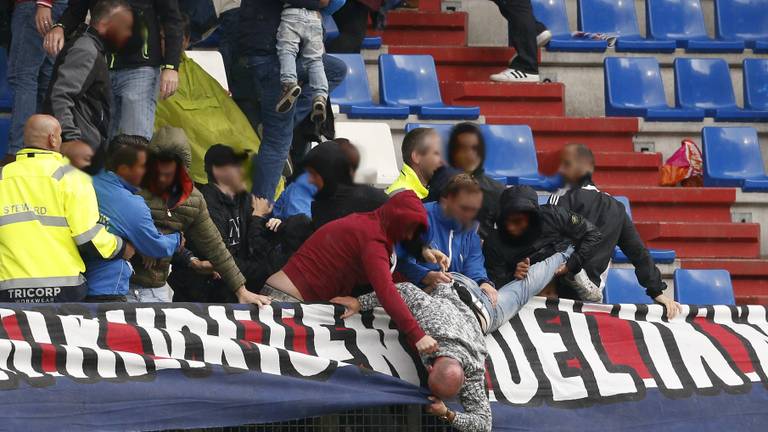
[(43, 132), (576, 161), (446, 378)]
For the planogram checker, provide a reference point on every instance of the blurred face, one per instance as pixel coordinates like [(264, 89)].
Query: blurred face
[(571, 167), (78, 153), (463, 207), (118, 28), (133, 174), (517, 224), (230, 176), (432, 159), (166, 174), (466, 155), (314, 178)]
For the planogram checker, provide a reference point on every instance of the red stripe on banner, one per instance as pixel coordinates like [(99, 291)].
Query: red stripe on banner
[(11, 324), (300, 335), (124, 337), (729, 342), (619, 342), (573, 363), (49, 357), (252, 331)]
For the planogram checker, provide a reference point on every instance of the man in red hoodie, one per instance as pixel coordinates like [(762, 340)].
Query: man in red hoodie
[(357, 250)]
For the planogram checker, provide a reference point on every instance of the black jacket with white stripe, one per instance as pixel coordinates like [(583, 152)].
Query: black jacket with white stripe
[(610, 217)]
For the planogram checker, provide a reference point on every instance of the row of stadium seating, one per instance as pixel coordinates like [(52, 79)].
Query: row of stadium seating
[(703, 88), (693, 287), (670, 24)]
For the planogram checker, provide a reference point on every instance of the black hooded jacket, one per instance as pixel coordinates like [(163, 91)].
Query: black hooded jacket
[(610, 216), (340, 196), (552, 229)]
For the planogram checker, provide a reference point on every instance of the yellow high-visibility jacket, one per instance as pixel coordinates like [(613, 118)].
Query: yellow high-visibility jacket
[(408, 180), (48, 217)]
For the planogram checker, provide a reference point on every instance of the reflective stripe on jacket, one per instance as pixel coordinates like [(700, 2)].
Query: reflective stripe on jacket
[(48, 219)]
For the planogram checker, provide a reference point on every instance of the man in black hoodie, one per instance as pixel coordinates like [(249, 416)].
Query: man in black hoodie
[(577, 164), (331, 167), (260, 245), (526, 234)]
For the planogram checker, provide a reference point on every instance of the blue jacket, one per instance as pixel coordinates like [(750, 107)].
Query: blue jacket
[(126, 215), (462, 246), (296, 199)]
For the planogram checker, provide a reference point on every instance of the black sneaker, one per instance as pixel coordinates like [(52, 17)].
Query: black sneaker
[(318, 109), (291, 92)]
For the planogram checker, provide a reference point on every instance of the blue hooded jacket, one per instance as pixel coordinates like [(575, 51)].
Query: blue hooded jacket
[(296, 199), (126, 215), (462, 245)]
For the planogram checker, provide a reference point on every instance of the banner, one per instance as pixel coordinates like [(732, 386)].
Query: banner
[(556, 366)]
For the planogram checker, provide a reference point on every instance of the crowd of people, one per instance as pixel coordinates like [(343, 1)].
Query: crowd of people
[(102, 202)]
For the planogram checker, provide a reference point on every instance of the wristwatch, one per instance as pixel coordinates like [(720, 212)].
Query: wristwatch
[(447, 416)]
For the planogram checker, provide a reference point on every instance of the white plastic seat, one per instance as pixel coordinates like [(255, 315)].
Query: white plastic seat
[(378, 163), (211, 62)]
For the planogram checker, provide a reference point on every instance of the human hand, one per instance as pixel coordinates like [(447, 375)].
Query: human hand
[(324, 3), (148, 262), (673, 308), (246, 297), (54, 41), (522, 269), (169, 83), (437, 408), (202, 267), (435, 277), (261, 206), (426, 345), (493, 293), (562, 270), (351, 305), (273, 224), (129, 251), (435, 256), (43, 20)]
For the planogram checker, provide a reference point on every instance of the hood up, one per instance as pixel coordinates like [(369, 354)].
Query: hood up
[(170, 142), (402, 213), (519, 199), (331, 164)]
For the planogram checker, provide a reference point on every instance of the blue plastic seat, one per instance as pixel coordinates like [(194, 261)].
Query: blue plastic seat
[(5, 129), (353, 95), (372, 42), (744, 20), (510, 153), (732, 158), (756, 83), (553, 14), (6, 96), (622, 286), (330, 28), (619, 18), (683, 22), (706, 84), (704, 287), (658, 255), (411, 81), (633, 87)]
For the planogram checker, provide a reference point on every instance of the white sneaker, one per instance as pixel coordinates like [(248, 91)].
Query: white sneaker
[(514, 75), (543, 38)]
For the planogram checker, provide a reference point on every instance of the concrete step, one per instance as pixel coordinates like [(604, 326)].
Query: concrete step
[(664, 204), (627, 168), (749, 276), (703, 240), (460, 63), (409, 27), (506, 99)]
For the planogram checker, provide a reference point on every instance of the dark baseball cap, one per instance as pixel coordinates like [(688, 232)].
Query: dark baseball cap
[(222, 155)]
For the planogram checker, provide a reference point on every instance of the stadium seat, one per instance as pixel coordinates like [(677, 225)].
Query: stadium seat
[(634, 88), (619, 18), (553, 14), (510, 153), (444, 129), (744, 20), (331, 30), (704, 287), (706, 84), (683, 22), (732, 158), (372, 42), (756, 83), (212, 63), (658, 255), (6, 97), (353, 95), (5, 129), (378, 163), (411, 80), (622, 286)]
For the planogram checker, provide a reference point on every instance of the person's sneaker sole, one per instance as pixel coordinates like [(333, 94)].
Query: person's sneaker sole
[(318, 112), (543, 38), (286, 102), (532, 79)]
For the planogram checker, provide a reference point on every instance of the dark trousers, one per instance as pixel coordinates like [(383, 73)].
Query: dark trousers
[(522, 29), (352, 20)]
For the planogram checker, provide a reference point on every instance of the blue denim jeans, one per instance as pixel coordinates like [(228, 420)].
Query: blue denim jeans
[(514, 295), (300, 38), (134, 100), (139, 294), (29, 68), (278, 127)]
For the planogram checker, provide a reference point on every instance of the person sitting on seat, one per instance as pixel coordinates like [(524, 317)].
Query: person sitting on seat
[(577, 164), (421, 158)]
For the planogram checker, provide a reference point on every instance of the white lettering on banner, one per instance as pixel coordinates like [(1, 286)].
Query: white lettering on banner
[(756, 340), (522, 390), (382, 348)]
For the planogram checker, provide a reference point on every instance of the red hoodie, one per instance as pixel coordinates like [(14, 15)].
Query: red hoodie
[(356, 250)]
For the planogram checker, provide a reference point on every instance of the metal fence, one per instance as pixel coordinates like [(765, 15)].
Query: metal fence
[(401, 418)]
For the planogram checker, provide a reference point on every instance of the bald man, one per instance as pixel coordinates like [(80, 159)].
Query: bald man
[(48, 219)]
